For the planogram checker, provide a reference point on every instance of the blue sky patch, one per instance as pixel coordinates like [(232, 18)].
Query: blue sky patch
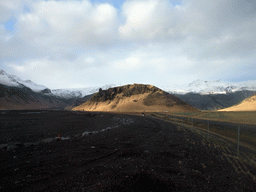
[(9, 25), (118, 3)]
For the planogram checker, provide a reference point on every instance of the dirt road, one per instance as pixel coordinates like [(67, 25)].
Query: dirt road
[(109, 152)]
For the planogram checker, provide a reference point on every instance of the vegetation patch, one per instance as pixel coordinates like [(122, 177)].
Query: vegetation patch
[(151, 99), (127, 91), (240, 117)]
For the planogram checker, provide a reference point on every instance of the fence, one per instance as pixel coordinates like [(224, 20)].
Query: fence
[(241, 134)]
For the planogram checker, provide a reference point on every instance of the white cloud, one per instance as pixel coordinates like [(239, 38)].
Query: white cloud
[(130, 63), (89, 60), (68, 23), (149, 20), (9, 8), (150, 41)]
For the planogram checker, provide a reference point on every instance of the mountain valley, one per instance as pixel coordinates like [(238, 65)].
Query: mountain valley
[(16, 93)]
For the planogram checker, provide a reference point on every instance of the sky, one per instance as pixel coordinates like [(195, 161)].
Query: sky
[(84, 43)]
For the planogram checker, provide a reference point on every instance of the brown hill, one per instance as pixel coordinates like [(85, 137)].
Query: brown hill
[(249, 104), (134, 98)]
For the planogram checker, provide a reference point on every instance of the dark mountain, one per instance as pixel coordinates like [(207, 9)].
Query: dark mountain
[(249, 104), (25, 98), (215, 101)]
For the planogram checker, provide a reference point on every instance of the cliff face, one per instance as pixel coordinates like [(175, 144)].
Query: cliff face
[(126, 91)]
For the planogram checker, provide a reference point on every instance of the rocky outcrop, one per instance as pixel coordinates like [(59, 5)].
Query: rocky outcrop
[(134, 98), (127, 91)]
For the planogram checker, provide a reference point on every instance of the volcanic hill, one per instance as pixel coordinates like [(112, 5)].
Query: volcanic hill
[(249, 104), (134, 98)]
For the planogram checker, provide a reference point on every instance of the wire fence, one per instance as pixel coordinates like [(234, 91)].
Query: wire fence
[(239, 133)]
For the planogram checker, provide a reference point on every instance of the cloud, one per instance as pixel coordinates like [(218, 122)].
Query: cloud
[(9, 8), (130, 63), (67, 23), (149, 20), (151, 41), (57, 74)]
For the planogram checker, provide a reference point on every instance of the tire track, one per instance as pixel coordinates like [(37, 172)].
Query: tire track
[(228, 149)]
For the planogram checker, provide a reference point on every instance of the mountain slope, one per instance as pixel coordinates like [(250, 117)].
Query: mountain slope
[(214, 101), (13, 81), (24, 98), (203, 95), (134, 98), (78, 92), (16, 93), (249, 104)]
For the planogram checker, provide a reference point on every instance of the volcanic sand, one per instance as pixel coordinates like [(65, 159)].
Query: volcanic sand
[(136, 154)]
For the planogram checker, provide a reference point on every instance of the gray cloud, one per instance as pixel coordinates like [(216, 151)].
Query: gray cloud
[(162, 42)]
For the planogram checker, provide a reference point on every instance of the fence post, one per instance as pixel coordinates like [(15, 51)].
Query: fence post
[(238, 133), (208, 129)]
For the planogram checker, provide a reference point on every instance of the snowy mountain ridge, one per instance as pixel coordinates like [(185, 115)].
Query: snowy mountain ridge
[(13, 81), (79, 92), (198, 86), (213, 87)]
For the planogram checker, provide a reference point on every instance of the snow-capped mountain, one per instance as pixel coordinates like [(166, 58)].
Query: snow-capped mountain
[(198, 86), (213, 95), (13, 81), (16, 93), (213, 87), (79, 92), (206, 95)]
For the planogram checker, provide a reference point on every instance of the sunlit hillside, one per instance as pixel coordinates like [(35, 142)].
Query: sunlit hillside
[(135, 98)]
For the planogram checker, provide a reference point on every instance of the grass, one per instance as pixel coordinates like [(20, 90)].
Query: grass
[(247, 136), (243, 117)]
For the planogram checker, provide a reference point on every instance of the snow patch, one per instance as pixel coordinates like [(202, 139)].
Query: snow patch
[(212, 87), (64, 138), (13, 81), (85, 133), (6, 79), (95, 132), (79, 92)]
